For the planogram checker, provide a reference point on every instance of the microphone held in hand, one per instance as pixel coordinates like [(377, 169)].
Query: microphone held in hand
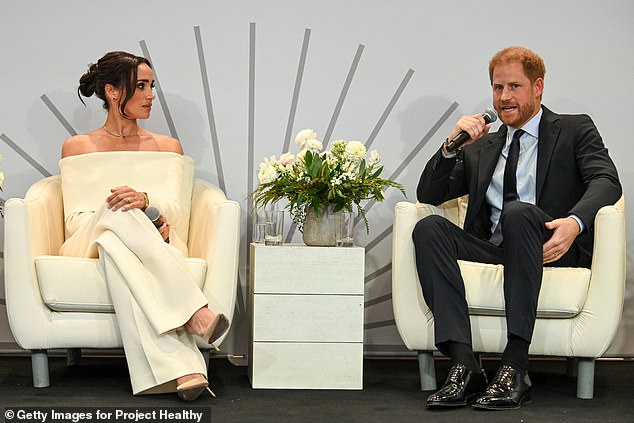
[(154, 215), (489, 116)]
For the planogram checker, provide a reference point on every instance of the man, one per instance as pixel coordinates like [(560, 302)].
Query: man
[(534, 189)]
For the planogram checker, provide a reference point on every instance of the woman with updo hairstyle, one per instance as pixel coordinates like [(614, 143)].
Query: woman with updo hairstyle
[(158, 306)]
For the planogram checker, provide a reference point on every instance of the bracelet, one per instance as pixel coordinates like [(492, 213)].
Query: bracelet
[(147, 201)]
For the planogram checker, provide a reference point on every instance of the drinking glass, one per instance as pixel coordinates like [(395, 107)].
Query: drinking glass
[(343, 229), (274, 229)]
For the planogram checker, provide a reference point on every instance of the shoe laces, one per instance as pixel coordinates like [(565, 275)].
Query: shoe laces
[(504, 376), (456, 372)]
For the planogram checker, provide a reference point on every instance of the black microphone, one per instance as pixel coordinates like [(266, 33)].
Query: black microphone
[(155, 217), (489, 116)]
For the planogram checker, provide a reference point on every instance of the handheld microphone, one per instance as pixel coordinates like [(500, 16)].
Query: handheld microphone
[(155, 217), (489, 116)]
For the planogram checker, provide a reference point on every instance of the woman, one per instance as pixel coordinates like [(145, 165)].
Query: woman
[(158, 306)]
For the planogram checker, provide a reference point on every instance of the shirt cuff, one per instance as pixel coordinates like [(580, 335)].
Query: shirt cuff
[(447, 156), (581, 225)]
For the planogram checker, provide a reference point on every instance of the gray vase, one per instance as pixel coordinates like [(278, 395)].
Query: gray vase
[(319, 228)]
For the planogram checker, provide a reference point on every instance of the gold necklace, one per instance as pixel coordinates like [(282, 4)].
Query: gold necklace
[(138, 133)]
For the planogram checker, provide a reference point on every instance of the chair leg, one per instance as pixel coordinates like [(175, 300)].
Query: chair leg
[(585, 378), (427, 371), (39, 367), (572, 363), (73, 357)]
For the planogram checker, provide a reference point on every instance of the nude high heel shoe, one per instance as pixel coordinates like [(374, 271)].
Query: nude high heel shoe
[(214, 330), (191, 390)]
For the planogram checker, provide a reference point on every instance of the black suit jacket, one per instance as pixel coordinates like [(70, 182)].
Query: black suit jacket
[(575, 174)]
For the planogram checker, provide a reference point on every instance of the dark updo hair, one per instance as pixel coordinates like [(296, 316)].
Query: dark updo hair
[(117, 68)]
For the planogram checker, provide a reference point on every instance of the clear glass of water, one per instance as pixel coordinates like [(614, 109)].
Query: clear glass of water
[(274, 228), (344, 229)]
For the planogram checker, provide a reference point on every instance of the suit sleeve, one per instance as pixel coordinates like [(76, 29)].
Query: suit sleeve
[(597, 171), (442, 179)]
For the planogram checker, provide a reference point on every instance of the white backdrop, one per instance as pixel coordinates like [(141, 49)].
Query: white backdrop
[(395, 73)]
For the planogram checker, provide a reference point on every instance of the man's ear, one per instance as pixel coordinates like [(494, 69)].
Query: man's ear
[(538, 87)]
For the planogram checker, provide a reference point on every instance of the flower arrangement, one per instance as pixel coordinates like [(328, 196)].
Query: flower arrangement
[(340, 177)]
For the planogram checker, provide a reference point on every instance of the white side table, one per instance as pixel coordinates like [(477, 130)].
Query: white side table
[(306, 313)]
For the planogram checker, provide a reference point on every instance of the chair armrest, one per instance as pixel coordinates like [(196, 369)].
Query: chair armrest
[(409, 307), (214, 235), (604, 302), (34, 226)]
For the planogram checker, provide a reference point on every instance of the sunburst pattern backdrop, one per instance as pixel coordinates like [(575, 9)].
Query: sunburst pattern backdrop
[(236, 83)]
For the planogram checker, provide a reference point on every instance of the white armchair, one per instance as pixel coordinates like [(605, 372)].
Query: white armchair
[(63, 302), (578, 311)]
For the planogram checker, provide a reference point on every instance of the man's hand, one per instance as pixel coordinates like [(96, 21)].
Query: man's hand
[(564, 233), (473, 125)]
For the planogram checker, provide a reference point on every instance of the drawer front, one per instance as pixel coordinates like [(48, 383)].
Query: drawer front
[(308, 318), (306, 366), (307, 270)]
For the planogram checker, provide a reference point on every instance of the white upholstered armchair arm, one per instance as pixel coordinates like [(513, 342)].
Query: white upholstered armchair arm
[(34, 226), (602, 310), (214, 235), (409, 307)]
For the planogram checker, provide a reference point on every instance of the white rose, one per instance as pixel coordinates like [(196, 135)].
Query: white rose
[(267, 172), (356, 148), (313, 144), (303, 136)]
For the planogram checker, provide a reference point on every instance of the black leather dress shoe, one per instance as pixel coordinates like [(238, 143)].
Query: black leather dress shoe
[(508, 390), (461, 385)]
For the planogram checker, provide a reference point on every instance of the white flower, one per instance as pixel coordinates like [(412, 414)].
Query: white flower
[(287, 160), (313, 144), (374, 157), (356, 148), (303, 136), (267, 172)]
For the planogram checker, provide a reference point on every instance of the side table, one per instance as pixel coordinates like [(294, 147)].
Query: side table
[(306, 314)]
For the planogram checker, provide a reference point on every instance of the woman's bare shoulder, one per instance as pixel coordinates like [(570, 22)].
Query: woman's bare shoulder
[(78, 144), (167, 143)]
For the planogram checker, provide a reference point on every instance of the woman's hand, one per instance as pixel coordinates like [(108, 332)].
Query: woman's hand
[(125, 198), (164, 229)]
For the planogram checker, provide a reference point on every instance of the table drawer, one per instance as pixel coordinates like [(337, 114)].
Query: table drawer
[(308, 318), (306, 365)]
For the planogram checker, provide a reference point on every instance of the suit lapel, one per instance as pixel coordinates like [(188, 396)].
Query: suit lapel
[(548, 135)]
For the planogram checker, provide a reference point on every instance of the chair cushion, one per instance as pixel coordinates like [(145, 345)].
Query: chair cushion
[(77, 284), (562, 295)]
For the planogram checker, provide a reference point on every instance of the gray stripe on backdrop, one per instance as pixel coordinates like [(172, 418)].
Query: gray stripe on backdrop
[(24, 155), (58, 115), (378, 273), (159, 91), (381, 324), (250, 135), (298, 84), (342, 95), (378, 300), (210, 109), (389, 108), (380, 237), (414, 152)]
